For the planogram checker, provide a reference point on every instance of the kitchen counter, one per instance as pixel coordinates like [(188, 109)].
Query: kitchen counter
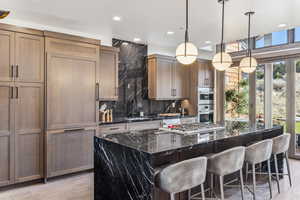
[(143, 119), (126, 163)]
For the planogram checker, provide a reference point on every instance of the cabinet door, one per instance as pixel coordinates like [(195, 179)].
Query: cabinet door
[(69, 151), (180, 81), (29, 131), (6, 134), (7, 55), (164, 82), (202, 73), (71, 92), (29, 58), (108, 74), (210, 73)]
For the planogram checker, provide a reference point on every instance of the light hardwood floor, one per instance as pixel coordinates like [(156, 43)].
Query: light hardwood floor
[(80, 187)]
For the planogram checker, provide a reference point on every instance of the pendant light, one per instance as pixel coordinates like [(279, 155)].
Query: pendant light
[(187, 52), (222, 60), (248, 64), (3, 14)]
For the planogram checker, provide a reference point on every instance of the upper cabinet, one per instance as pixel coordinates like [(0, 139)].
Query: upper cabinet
[(108, 73), (22, 57), (167, 79), (205, 72)]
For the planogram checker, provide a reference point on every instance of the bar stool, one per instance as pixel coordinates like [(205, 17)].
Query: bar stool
[(183, 176), (257, 154), (225, 163), (281, 145)]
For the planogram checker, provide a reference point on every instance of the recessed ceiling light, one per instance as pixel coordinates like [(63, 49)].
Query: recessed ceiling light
[(282, 25), (136, 39), (117, 18), (170, 33), (207, 42)]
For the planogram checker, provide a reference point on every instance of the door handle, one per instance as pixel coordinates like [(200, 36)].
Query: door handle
[(97, 92), (74, 129), (12, 71)]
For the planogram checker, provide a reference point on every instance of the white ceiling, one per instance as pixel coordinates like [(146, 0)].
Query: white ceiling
[(151, 19)]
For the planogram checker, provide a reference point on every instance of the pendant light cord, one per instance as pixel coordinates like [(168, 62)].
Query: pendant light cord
[(186, 25), (222, 37), (249, 53)]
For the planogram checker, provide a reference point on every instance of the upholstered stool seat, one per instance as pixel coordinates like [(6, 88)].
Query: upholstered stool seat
[(281, 146), (225, 163), (256, 154), (183, 176)]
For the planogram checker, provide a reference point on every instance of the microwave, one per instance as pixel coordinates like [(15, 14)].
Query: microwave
[(206, 117), (205, 96)]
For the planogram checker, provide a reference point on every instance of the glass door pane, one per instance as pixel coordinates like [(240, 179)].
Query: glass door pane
[(260, 93), (279, 94), (297, 100)]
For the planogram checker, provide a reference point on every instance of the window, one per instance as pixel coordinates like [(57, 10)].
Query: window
[(236, 95), (297, 34), (272, 39), (260, 93), (279, 93)]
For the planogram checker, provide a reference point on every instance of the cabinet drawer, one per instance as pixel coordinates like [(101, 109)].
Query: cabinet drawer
[(136, 126), (114, 128), (69, 151)]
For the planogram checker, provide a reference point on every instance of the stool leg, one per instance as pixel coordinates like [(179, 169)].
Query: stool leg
[(172, 196), (222, 187), (189, 194), (247, 169), (288, 167), (211, 185), (277, 174), (254, 181), (270, 179), (202, 192), (242, 183)]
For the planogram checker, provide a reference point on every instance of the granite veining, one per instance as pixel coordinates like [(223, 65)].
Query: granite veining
[(125, 164)]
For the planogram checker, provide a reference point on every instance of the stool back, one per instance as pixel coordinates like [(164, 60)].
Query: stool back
[(227, 162), (259, 152), (182, 176), (281, 143)]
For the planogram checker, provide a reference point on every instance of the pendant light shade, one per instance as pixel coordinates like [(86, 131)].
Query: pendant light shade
[(186, 52), (249, 63), (222, 60)]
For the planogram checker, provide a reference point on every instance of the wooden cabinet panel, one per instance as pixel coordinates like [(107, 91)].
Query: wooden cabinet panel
[(108, 73), (137, 126), (29, 131), (69, 151), (6, 135), (71, 92), (164, 75), (29, 58), (205, 74), (113, 128), (7, 55), (181, 81)]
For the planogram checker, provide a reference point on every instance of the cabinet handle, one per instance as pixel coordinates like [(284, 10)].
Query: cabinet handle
[(97, 92), (175, 92), (12, 71), (17, 92), (17, 71), (11, 91), (113, 129), (74, 129)]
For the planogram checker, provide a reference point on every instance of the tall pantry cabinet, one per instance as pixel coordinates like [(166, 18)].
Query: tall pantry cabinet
[(21, 104), (72, 102)]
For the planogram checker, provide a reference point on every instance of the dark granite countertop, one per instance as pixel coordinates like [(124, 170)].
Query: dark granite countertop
[(144, 119), (155, 141)]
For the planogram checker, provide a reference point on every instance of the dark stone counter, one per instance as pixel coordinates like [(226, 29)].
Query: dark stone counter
[(125, 163)]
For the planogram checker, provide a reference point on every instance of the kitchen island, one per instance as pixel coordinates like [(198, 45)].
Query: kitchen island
[(126, 163)]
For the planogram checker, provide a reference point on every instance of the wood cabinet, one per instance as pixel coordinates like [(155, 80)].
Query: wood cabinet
[(21, 104), (29, 126), (205, 72), (72, 84), (72, 103), (6, 135), (167, 79), (69, 151), (108, 73)]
